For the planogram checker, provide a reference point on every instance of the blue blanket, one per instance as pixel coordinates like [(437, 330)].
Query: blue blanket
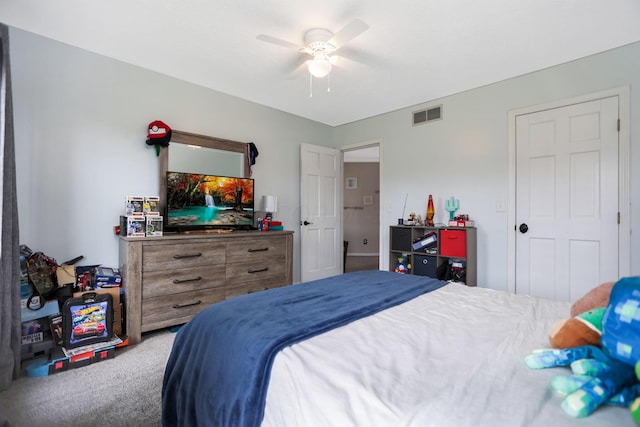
[(219, 367)]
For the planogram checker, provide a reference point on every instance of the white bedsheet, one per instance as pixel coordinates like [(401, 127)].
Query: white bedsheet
[(452, 357)]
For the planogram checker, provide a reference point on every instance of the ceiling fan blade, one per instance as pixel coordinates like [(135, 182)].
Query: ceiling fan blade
[(277, 41), (300, 69), (356, 55), (349, 32)]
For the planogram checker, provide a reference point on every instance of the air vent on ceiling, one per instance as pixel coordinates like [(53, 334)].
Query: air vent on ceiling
[(428, 115)]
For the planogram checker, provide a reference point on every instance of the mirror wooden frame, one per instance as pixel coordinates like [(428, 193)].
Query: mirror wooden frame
[(180, 137)]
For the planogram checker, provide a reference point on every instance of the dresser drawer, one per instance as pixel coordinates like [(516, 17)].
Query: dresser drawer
[(176, 309), (256, 270), (248, 250), (250, 287), (182, 255), (166, 282)]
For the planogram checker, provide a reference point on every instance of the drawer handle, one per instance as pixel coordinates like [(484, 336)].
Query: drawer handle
[(186, 305), (195, 255), (258, 271), (258, 250), (178, 281)]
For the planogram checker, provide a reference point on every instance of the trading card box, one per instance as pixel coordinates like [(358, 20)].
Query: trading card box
[(106, 277)]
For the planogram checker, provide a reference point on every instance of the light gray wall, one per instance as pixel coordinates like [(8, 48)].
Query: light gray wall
[(81, 124), (465, 155)]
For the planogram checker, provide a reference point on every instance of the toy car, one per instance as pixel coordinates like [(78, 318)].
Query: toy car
[(88, 329)]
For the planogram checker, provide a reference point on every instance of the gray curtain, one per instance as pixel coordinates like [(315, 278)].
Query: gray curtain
[(9, 238)]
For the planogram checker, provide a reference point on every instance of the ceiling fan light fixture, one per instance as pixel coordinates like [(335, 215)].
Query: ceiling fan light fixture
[(320, 66)]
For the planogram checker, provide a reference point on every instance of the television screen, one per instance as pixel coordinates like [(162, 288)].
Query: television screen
[(197, 201)]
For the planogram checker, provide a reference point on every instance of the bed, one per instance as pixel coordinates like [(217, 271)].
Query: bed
[(369, 348)]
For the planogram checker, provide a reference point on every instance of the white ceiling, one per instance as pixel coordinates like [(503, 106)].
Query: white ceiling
[(414, 51)]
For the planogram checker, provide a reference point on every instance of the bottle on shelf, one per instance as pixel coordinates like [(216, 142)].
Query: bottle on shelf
[(430, 212)]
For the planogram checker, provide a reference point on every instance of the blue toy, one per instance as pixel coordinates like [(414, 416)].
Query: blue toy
[(401, 266), (606, 375)]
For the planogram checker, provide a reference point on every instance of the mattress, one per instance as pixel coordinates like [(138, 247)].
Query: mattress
[(220, 363), (452, 357)]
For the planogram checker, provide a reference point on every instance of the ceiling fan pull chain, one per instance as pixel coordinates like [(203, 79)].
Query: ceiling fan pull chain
[(328, 82), (310, 86)]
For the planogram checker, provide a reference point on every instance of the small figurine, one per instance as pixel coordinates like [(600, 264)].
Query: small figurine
[(452, 206), (412, 219), (401, 266)]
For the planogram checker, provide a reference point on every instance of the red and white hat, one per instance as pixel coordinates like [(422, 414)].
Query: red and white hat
[(159, 133)]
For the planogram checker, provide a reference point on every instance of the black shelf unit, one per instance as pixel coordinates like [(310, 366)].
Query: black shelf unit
[(453, 244)]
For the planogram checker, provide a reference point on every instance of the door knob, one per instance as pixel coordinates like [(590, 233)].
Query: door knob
[(307, 222), (524, 228)]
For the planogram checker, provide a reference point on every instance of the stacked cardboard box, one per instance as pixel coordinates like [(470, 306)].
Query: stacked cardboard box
[(36, 333)]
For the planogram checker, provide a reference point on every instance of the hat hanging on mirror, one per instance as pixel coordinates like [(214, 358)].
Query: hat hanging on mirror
[(159, 135)]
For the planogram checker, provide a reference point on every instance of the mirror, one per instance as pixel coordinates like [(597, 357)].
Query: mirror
[(190, 152), (203, 160)]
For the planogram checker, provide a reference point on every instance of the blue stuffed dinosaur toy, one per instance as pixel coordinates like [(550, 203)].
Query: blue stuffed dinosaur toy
[(606, 375)]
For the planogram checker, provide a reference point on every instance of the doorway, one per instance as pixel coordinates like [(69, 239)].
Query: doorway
[(361, 207), (320, 216), (569, 210)]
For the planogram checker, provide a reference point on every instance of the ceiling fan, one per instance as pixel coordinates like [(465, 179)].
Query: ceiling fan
[(321, 45)]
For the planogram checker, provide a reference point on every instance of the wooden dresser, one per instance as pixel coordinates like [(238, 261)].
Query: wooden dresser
[(167, 280)]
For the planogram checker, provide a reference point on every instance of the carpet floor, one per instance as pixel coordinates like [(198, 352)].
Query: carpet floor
[(123, 391)]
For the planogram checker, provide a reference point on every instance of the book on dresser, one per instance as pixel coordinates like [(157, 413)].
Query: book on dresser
[(167, 280)]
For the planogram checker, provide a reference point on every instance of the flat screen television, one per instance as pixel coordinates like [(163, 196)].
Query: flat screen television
[(200, 202)]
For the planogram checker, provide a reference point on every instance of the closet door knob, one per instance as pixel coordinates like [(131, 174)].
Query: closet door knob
[(524, 228)]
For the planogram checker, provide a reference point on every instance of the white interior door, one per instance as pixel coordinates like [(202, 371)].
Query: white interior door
[(320, 212), (567, 199)]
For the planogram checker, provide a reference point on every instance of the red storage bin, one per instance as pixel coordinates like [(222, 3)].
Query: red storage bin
[(453, 243)]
